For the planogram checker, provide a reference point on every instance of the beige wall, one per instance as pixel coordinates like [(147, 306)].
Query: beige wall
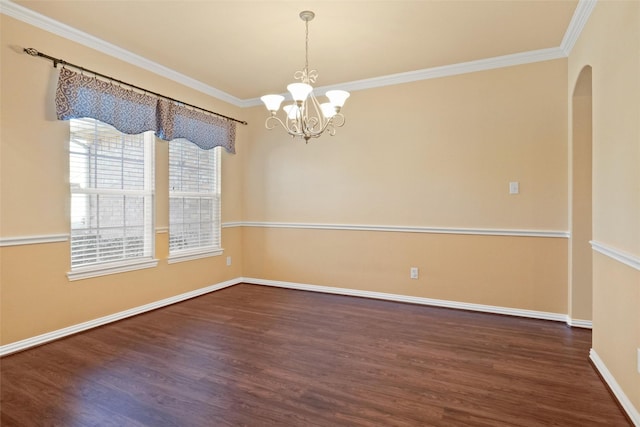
[(525, 273), (580, 167), (610, 44), (36, 295), (435, 153)]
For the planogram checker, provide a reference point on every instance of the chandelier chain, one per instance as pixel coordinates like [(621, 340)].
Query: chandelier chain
[(306, 46)]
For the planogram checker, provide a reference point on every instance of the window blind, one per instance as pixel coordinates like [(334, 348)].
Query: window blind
[(194, 197), (111, 177)]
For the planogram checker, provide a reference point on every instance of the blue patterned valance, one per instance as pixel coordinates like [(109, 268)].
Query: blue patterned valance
[(204, 130), (131, 112)]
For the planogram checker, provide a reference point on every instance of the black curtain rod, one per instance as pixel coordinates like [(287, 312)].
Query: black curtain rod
[(34, 52)]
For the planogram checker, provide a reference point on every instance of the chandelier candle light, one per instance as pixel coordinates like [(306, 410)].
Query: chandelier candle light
[(306, 117)]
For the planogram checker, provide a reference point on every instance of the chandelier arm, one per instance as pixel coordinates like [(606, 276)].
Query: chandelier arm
[(327, 124), (338, 123), (314, 117), (269, 125), (292, 126)]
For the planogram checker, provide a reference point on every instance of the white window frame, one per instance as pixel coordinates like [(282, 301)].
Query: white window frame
[(147, 260), (205, 251)]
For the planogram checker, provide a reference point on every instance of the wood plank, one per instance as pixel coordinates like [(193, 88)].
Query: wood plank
[(254, 355)]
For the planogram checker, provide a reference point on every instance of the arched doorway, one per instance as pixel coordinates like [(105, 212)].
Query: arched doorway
[(581, 271)]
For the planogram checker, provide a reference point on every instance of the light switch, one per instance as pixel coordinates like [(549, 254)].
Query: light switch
[(514, 187)]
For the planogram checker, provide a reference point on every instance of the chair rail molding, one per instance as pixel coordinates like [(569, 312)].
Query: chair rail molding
[(33, 240), (403, 229), (625, 258)]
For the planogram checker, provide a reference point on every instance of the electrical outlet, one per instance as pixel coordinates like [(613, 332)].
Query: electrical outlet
[(514, 187), (413, 273), (228, 261), (639, 360)]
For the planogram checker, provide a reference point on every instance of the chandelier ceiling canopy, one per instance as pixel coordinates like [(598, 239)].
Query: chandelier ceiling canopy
[(306, 117)]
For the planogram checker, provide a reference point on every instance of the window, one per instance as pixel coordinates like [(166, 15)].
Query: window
[(111, 177), (194, 201)]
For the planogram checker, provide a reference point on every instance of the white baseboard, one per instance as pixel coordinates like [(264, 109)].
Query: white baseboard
[(579, 323), (626, 404), (410, 299), (60, 333)]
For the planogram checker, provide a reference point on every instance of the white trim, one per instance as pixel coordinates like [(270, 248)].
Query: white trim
[(405, 229), (578, 323), (45, 23), (111, 268), (452, 69), (53, 238), (578, 21), (438, 72), (410, 299), (191, 255), (534, 314), (61, 333), (615, 388), (33, 240), (232, 224), (626, 258)]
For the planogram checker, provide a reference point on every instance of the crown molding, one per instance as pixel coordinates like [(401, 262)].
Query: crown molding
[(40, 21), (454, 69), (578, 21), (438, 72)]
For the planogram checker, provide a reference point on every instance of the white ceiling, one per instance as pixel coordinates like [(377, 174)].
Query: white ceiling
[(250, 48)]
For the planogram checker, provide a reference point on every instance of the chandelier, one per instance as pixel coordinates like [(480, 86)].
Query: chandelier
[(306, 117)]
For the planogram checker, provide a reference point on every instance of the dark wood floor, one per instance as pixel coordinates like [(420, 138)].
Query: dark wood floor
[(253, 355)]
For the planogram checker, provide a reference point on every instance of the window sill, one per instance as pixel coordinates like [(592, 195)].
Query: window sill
[(111, 268), (194, 254)]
